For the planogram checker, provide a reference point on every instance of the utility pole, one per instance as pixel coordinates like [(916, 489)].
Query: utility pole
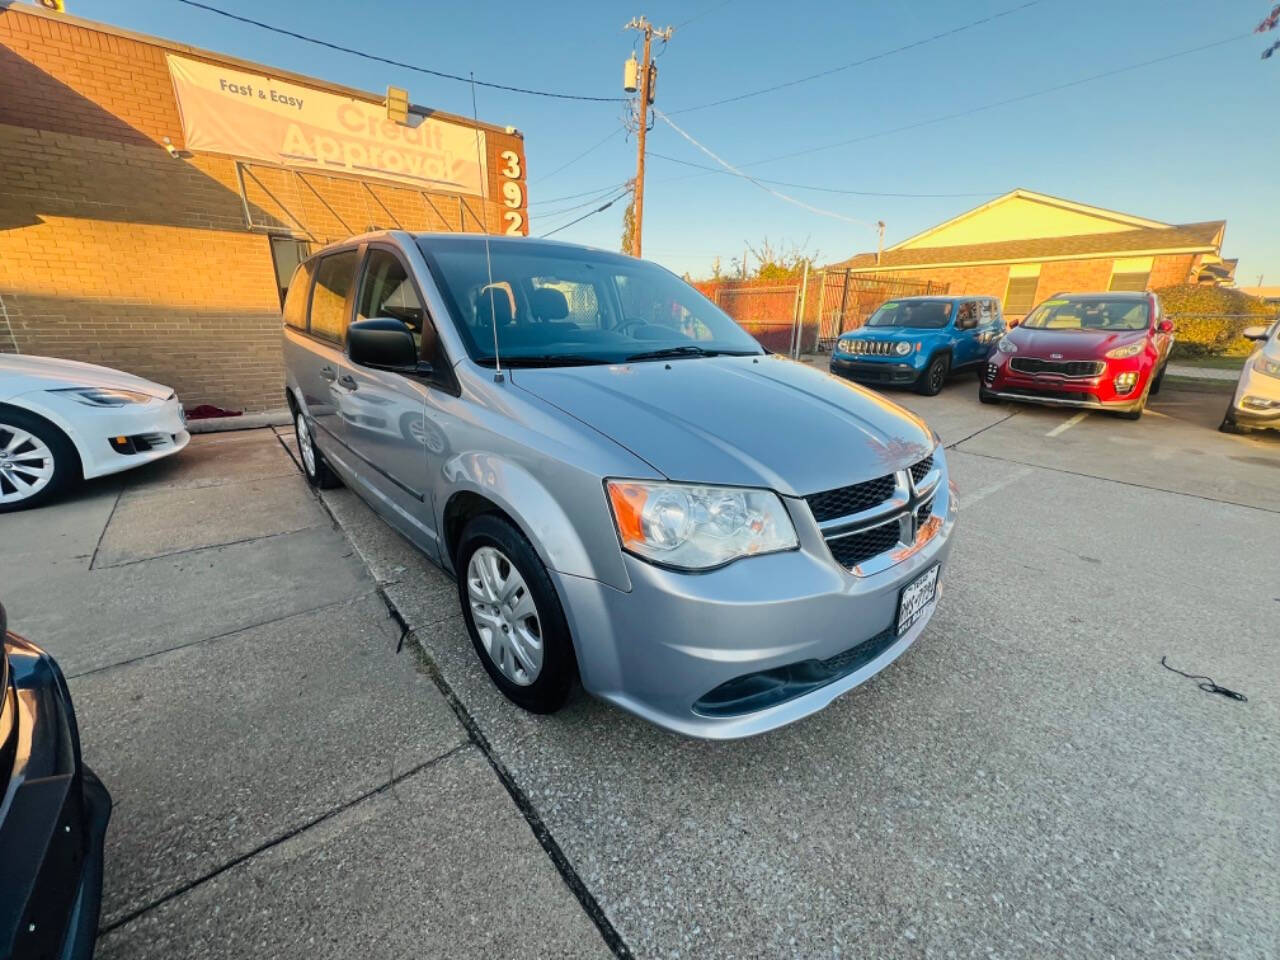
[(647, 83), (879, 240)]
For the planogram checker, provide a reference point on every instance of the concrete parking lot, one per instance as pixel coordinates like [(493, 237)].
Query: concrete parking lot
[(1026, 781)]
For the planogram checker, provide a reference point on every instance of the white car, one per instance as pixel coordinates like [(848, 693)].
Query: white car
[(62, 421), (1256, 404)]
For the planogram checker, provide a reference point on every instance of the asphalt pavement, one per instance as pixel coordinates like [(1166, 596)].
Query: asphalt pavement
[(1026, 781)]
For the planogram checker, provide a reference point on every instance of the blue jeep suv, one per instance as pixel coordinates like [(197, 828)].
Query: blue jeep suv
[(919, 341)]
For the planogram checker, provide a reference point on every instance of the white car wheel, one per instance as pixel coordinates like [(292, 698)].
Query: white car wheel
[(36, 461)]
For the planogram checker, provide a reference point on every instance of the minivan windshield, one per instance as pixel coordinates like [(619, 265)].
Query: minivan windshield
[(1067, 314), (926, 314), (559, 305)]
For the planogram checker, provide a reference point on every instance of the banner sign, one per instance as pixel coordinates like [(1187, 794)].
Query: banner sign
[(255, 117)]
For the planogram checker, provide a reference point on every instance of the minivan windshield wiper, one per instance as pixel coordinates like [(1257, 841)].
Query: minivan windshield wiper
[(688, 350), (545, 360)]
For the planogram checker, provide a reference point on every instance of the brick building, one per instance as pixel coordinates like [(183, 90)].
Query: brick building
[(154, 198), (1024, 247)]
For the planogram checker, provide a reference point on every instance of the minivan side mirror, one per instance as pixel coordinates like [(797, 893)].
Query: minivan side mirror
[(384, 343), (1254, 333), (1165, 326)]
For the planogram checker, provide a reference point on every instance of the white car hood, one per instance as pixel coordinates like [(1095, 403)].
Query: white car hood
[(20, 374)]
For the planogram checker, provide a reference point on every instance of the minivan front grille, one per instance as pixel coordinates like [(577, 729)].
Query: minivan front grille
[(857, 548), (923, 513), (852, 499), (1063, 368), (860, 538), (869, 348), (921, 470)]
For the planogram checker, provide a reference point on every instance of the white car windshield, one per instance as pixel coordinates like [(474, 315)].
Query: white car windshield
[(554, 304)]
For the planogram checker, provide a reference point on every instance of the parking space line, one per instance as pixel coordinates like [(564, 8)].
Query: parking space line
[(969, 499), (1067, 424)]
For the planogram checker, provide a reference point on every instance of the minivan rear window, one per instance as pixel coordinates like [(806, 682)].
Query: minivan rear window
[(329, 301)]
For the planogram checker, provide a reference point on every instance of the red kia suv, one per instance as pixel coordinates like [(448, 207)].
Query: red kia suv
[(1099, 351)]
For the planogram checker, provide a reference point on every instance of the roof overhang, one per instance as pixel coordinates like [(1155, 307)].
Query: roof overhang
[(1101, 255), (1019, 193)]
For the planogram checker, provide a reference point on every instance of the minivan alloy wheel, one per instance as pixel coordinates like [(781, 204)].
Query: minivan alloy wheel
[(26, 464), (505, 615), (304, 444)]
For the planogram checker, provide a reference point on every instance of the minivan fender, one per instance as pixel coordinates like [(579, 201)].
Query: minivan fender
[(530, 505)]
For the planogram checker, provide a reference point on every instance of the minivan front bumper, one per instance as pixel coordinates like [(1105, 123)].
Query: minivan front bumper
[(664, 646)]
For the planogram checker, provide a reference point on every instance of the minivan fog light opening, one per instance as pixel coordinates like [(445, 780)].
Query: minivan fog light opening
[(693, 527)]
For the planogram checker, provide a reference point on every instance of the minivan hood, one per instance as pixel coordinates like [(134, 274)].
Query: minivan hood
[(760, 422), (1072, 344), (20, 373)]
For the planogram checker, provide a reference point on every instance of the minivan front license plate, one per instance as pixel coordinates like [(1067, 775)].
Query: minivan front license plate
[(915, 596)]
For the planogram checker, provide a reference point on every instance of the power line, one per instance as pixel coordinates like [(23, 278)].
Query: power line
[(395, 63), (982, 107), (601, 209), (810, 186), (698, 16), (586, 203), (1000, 103), (759, 183), (584, 193), (569, 163), (865, 60)]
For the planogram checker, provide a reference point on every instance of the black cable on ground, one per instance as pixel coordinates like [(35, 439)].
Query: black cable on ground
[(1206, 683)]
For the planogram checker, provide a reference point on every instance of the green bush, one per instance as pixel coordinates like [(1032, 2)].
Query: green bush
[(1207, 320)]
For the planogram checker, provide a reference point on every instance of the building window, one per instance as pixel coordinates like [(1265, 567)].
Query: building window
[(1020, 295), (1131, 273), (1130, 281), (286, 254)]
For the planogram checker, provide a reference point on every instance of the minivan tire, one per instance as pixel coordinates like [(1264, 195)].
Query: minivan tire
[(935, 376), (66, 461), (314, 466), (550, 688)]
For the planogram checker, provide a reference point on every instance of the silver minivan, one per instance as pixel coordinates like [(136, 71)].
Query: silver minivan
[(626, 487)]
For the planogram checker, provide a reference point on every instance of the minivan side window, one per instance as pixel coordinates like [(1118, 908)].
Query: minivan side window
[(387, 291), (328, 302), (295, 301)]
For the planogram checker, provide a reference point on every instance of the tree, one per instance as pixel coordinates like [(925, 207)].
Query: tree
[(628, 224), (1269, 22), (784, 262)]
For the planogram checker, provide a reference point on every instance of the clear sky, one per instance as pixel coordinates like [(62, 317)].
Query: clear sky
[(1192, 138)]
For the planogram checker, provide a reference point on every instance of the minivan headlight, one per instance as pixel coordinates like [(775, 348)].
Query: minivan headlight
[(104, 396), (694, 527), (1265, 364), (1128, 350)]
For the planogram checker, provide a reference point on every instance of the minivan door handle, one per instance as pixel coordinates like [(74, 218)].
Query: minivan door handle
[(329, 373)]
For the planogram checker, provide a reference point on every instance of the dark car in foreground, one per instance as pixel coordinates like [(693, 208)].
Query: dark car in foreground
[(1098, 351), (53, 813)]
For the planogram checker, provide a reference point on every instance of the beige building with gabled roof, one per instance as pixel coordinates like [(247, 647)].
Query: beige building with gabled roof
[(1024, 246)]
